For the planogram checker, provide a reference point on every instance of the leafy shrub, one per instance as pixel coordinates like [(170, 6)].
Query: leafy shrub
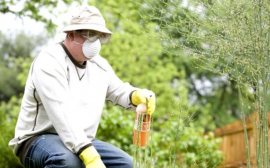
[(8, 117), (173, 143)]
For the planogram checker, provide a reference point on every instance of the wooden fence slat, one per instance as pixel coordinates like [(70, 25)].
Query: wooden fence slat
[(233, 142)]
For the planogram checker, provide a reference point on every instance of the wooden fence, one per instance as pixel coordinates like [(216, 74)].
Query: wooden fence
[(233, 142)]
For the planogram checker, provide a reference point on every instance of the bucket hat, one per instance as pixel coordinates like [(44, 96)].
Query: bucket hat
[(88, 18)]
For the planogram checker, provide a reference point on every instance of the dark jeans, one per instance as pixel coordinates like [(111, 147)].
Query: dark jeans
[(48, 151)]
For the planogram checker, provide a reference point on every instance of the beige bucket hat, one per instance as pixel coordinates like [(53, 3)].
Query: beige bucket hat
[(88, 18)]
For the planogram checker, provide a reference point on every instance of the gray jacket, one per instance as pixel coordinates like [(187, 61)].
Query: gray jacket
[(66, 98)]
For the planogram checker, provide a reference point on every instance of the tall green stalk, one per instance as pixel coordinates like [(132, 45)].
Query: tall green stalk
[(243, 119), (263, 112), (177, 134)]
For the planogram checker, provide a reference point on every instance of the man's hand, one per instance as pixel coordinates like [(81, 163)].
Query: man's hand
[(91, 158), (140, 96)]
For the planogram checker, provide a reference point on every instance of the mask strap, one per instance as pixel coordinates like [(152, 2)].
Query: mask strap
[(76, 42)]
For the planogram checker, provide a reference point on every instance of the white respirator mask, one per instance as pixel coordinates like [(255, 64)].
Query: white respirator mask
[(90, 49)]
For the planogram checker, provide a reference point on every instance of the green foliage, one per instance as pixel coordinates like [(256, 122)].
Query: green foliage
[(25, 64), (9, 85), (182, 144), (8, 117), (199, 150), (19, 45), (14, 53), (9, 110), (116, 127), (236, 43), (175, 143), (182, 38)]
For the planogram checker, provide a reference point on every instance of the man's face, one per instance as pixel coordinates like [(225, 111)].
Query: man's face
[(79, 37)]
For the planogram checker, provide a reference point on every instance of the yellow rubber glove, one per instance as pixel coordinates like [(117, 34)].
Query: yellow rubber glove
[(140, 96), (91, 158)]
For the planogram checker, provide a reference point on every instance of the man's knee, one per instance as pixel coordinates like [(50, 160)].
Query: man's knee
[(73, 160), (67, 160)]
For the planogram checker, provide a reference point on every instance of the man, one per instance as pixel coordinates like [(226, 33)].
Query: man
[(63, 100)]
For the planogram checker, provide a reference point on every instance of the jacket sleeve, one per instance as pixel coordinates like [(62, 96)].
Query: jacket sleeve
[(49, 78)]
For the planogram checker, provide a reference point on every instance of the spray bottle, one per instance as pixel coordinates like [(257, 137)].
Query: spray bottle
[(142, 126)]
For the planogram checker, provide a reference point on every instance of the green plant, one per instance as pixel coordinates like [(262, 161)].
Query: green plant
[(8, 116), (174, 143)]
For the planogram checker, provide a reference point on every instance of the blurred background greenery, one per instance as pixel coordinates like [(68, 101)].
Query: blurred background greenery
[(143, 51)]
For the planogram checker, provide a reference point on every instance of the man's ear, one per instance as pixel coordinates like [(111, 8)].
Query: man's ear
[(70, 35)]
